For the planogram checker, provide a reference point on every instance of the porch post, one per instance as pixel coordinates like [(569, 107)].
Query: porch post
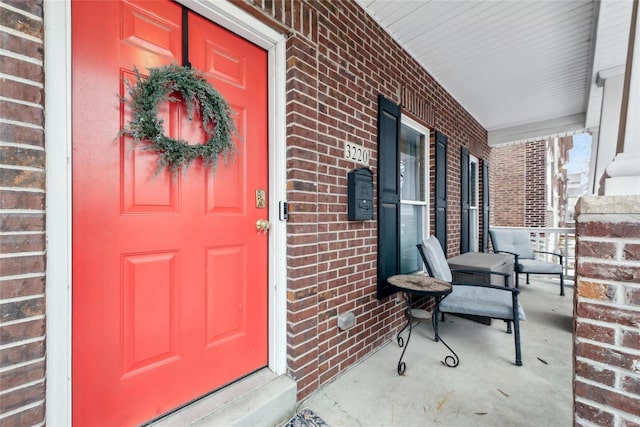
[(623, 173), (612, 82)]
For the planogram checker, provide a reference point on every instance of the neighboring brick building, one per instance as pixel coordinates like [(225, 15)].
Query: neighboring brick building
[(607, 297), (338, 60), (528, 183)]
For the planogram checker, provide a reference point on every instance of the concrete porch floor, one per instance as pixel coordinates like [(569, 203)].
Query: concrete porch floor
[(486, 389)]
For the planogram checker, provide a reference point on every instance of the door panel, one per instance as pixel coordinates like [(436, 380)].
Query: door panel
[(169, 273)]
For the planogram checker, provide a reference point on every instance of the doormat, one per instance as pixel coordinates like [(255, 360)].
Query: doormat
[(306, 418)]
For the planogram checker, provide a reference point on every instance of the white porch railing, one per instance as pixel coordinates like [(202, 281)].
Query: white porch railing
[(549, 239)]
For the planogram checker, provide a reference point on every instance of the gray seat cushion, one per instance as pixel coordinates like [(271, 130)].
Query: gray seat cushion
[(480, 301), (534, 266)]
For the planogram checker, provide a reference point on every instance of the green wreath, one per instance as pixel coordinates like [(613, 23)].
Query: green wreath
[(160, 86)]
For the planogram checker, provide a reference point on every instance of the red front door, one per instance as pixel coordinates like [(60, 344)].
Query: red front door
[(169, 274)]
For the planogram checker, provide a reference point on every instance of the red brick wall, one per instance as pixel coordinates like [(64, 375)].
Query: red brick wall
[(507, 180), (339, 60), (607, 310), (518, 185), (535, 190), (22, 239)]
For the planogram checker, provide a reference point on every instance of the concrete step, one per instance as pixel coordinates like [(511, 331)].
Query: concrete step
[(263, 399)]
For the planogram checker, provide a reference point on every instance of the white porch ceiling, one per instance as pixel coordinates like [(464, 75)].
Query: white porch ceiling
[(524, 69)]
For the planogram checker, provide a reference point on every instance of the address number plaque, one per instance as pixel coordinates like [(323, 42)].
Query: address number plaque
[(356, 153)]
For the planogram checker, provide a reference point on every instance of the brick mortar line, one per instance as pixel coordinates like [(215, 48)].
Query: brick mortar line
[(309, 276), (24, 320), (611, 262), (21, 409), (23, 342), (10, 54), (297, 168), (609, 305), (627, 350), (586, 423), (312, 361), (18, 299), (603, 407), (608, 388), (18, 145), (21, 102), (23, 189), (631, 285), (21, 12), (603, 366), (22, 276), (20, 365), (23, 124), (607, 218), (20, 254), (21, 386), (22, 211), (39, 85), (21, 233), (618, 240), (22, 168), (593, 322), (22, 35), (299, 322), (292, 347)]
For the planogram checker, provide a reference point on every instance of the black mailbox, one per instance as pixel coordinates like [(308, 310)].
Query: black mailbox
[(360, 194)]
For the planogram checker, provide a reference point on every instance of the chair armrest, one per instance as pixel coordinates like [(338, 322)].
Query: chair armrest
[(510, 253), (551, 253), (506, 252)]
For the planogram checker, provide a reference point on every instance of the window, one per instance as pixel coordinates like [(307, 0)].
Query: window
[(413, 193), (403, 193)]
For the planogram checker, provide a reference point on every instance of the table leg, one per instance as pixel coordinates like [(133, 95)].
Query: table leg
[(402, 366), (450, 361)]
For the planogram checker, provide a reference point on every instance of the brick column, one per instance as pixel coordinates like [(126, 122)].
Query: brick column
[(607, 312)]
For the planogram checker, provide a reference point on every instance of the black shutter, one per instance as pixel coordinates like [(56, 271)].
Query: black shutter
[(388, 194), (440, 207), (485, 206), (464, 201)]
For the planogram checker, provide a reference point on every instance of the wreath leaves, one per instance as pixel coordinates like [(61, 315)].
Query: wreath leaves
[(162, 85)]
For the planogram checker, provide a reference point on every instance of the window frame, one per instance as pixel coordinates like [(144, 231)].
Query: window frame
[(425, 203)]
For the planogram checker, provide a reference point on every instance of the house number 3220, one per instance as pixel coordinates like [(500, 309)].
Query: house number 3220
[(356, 153)]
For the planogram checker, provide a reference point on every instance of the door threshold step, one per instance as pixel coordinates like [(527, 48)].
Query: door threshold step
[(261, 399)]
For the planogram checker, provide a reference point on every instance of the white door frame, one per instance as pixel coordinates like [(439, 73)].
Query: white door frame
[(58, 132)]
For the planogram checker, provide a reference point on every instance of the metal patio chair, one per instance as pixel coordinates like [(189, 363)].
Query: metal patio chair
[(518, 244), (473, 299)]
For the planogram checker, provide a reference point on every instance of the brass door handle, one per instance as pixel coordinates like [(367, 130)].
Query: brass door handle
[(262, 225)]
